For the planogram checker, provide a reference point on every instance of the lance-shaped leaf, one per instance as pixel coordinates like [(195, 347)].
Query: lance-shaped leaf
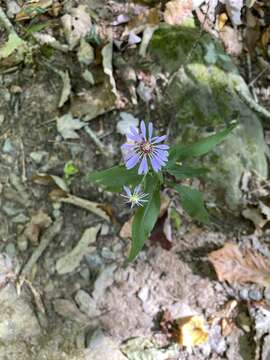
[(145, 217), (180, 152), (192, 202), (115, 178), (185, 172)]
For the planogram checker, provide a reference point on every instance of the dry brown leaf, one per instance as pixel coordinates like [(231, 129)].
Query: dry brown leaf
[(177, 11), (192, 331), (38, 223), (148, 18), (265, 39), (30, 9), (235, 265), (230, 38)]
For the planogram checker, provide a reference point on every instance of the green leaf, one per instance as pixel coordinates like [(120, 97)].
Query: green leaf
[(115, 178), (192, 202), (185, 172), (14, 43), (145, 217), (70, 169), (37, 27), (201, 147)]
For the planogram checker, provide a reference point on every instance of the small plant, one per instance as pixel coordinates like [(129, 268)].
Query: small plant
[(69, 171), (149, 165)]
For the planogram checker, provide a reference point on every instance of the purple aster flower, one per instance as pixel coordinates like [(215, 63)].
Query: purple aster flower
[(141, 147), (137, 197)]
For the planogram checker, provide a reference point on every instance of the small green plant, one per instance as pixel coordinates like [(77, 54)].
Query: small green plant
[(149, 165), (69, 171)]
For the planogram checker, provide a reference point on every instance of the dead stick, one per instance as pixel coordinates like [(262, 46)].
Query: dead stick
[(46, 238)]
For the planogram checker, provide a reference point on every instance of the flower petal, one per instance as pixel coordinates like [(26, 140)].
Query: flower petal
[(137, 138), (155, 164), (150, 131), (143, 167), (137, 189), (162, 147), (127, 190), (143, 129), (158, 139), (133, 161)]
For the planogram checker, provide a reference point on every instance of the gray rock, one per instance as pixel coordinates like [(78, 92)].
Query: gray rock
[(20, 219), (243, 293), (8, 146), (267, 295), (204, 98), (216, 340), (87, 304), (103, 281), (10, 249), (22, 242), (255, 295), (102, 347), (17, 320), (39, 156)]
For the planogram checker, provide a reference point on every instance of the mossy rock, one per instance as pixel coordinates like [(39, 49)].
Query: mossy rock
[(203, 98)]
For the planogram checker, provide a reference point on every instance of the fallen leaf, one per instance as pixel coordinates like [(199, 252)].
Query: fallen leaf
[(265, 39), (240, 266), (61, 194), (66, 89), (66, 126), (69, 262), (230, 38), (38, 222), (107, 52), (176, 11), (30, 10), (14, 48), (6, 270), (93, 102), (147, 18), (76, 25), (127, 121), (91, 206), (192, 331), (225, 316), (158, 234)]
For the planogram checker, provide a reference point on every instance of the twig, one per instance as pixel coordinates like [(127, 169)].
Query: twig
[(96, 140), (5, 21), (250, 84), (24, 178), (204, 27), (46, 238), (252, 103)]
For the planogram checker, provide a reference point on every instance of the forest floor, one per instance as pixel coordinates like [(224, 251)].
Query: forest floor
[(62, 240)]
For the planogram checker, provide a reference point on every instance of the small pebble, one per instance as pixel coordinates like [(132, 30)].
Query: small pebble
[(39, 156), (20, 219), (243, 293), (255, 295), (22, 243), (10, 249), (2, 118), (8, 146), (85, 273), (267, 295), (107, 254)]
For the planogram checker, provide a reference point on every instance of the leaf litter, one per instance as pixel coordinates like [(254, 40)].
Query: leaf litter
[(240, 266), (74, 41)]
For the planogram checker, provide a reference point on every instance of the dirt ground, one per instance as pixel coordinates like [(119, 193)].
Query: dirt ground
[(65, 303)]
